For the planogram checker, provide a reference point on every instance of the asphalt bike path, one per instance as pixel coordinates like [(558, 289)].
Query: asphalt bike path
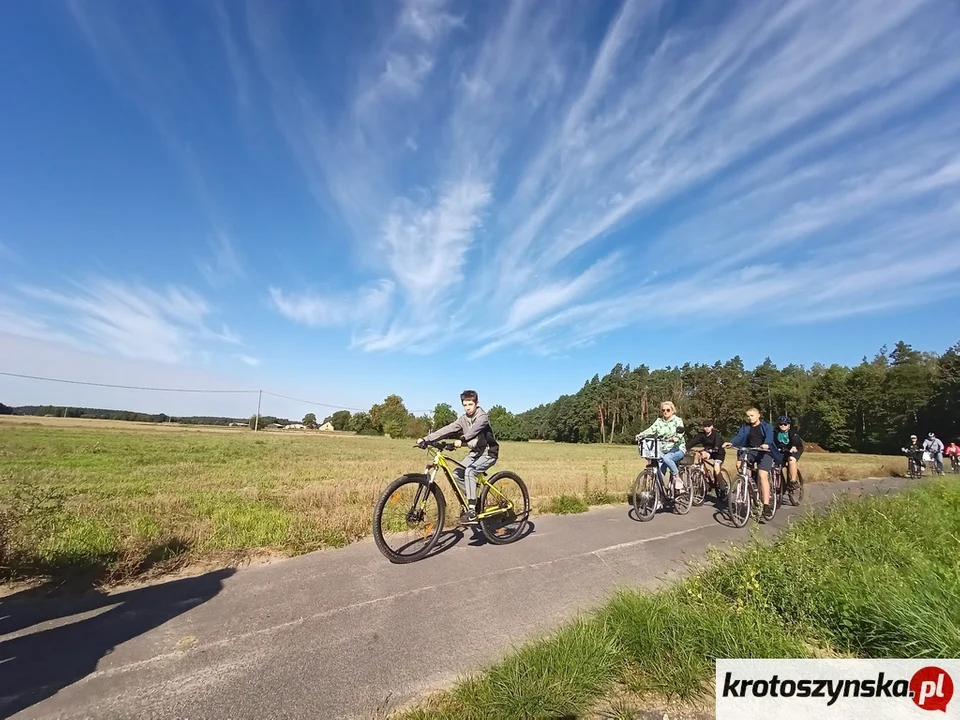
[(344, 633)]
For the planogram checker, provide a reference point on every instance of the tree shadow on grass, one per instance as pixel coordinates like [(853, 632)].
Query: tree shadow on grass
[(37, 662)]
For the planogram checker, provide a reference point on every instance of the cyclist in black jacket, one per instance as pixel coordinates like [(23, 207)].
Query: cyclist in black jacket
[(712, 454), (790, 445)]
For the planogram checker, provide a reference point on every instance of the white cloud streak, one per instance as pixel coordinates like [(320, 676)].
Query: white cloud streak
[(733, 144), (128, 319)]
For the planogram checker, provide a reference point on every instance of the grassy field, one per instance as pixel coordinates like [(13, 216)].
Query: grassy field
[(134, 497), (876, 577)]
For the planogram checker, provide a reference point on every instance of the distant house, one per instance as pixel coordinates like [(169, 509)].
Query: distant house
[(293, 426), (327, 427)]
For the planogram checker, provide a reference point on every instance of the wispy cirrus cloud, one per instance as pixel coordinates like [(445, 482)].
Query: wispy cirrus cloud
[(173, 325), (329, 310), (550, 176), (223, 265)]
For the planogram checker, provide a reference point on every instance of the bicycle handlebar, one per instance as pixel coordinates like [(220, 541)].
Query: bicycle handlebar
[(441, 445)]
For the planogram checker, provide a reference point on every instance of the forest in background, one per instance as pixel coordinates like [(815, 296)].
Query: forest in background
[(871, 408)]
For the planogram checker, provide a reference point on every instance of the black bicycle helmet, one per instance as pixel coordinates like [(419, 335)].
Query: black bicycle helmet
[(784, 420)]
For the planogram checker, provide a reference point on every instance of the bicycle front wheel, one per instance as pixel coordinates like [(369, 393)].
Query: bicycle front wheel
[(503, 508), (698, 485), (408, 519), (796, 490), (682, 497), (646, 495), (738, 501), (776, 488)]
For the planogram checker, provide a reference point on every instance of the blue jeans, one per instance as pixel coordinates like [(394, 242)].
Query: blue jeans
[(671, 459)]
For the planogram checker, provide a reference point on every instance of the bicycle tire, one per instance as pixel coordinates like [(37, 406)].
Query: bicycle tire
[(486, 525), (726, 484), (378, 534), (776, 488), (698, 485), (738, 494), (646, 478), (796, 491), (682, 500)]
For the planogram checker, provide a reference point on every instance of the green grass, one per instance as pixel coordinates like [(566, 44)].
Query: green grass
[(875, 577), (566, 505), (117, 496)]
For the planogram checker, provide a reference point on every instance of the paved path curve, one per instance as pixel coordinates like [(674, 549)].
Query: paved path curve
[(343, 633)]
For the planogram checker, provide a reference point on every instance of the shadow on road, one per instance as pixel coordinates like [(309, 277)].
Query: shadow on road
[(38, 664), (450, 538)]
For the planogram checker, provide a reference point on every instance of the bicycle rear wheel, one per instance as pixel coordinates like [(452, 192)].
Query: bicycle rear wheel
[(698, 485), (646, 495), (721, 487), (408, 518), (506, 496), (738, 501)]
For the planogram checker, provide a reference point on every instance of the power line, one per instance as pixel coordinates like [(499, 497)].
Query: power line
[(336, 407), (124, 387), (312, 402), (185, 390)]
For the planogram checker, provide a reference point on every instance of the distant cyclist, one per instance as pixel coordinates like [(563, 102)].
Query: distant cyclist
[(953, 452), (669, 429), (758, 436), (934, 446), (914, 452), (790, 445), (712, 454)]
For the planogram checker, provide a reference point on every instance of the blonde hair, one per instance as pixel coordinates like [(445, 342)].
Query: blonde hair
[(667, 403)]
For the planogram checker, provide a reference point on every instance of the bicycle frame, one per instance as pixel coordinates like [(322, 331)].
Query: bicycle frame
[(750, 472), (439, 461)]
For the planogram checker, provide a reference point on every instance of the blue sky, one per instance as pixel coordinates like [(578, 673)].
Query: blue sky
[(340, 200)]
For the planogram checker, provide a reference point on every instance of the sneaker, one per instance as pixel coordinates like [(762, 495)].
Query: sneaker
[(469, 517), (767, 512)]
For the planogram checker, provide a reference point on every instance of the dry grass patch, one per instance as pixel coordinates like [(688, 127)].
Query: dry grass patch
[(116, 491)]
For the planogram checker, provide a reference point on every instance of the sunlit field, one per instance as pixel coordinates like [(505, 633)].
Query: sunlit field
[(126, 496)]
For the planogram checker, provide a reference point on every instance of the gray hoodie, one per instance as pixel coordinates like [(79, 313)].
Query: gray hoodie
[(476, 431)]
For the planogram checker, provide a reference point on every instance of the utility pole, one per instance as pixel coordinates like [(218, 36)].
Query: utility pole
[(256, 422)]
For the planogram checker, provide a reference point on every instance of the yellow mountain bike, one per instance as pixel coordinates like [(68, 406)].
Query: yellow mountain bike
[(411, 511)]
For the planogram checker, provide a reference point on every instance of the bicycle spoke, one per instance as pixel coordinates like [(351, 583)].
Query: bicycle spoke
[(504, 506), (645, 495), (409, 521)]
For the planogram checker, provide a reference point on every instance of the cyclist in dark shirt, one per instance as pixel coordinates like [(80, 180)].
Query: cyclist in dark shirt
[(712, 454), (757, 435), (790, 445), (915, 455)]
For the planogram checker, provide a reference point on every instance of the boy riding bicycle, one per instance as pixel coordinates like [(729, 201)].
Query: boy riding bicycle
[(712, 454), (474, 427), (757, 435)]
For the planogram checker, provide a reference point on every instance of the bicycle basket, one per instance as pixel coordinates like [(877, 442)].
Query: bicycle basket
[(649, 448)]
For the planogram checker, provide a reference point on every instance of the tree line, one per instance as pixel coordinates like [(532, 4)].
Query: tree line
[(871, 407), (125, 415)]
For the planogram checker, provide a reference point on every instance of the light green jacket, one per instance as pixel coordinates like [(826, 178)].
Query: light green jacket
[(667, 429)]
